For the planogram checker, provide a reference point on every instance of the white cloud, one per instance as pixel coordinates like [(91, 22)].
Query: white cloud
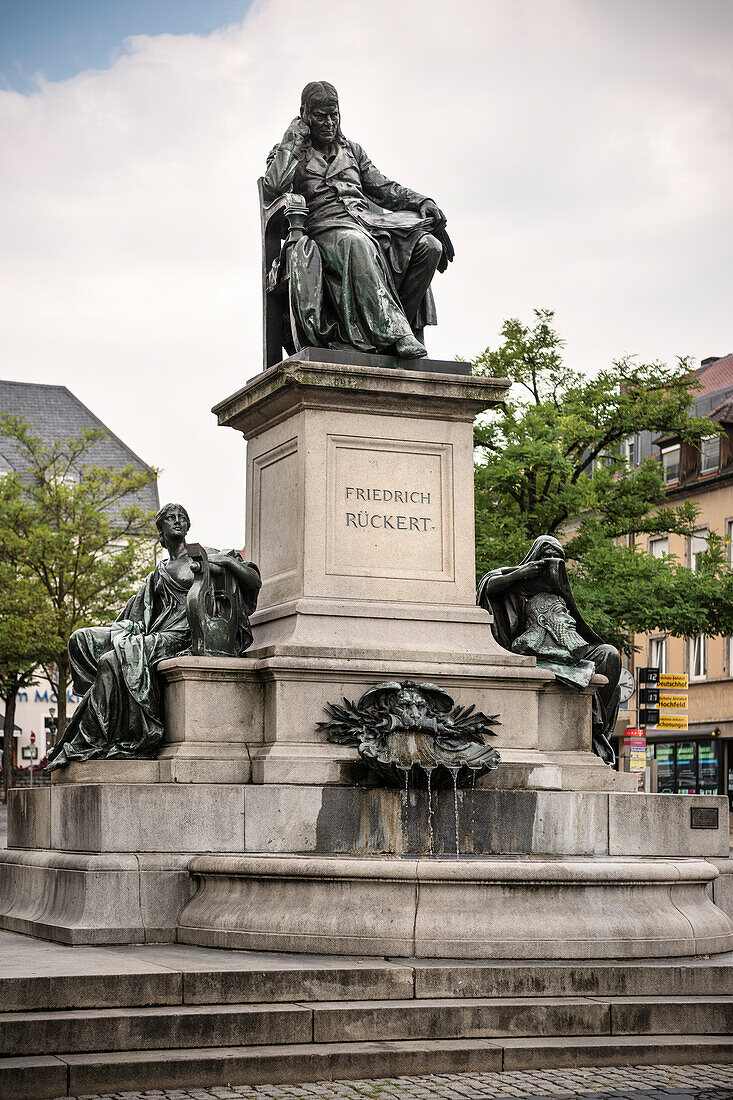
[(581, 150)]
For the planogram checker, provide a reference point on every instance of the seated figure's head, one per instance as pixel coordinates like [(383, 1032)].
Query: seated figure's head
[(546, 546), (319, 107), (172, 521), (549, 612)]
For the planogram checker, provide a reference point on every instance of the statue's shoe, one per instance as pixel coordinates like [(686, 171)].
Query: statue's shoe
[(407, 347)]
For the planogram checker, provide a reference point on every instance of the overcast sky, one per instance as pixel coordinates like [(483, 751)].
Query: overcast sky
[(581, 149)]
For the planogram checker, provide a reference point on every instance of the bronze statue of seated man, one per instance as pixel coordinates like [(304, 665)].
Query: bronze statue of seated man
[(361, 276)]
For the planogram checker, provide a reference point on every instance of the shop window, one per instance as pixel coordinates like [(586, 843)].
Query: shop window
[(664, 752), (710, 454), (659, 547), (698, 657), (708, 768), (688, 767), (671, 464), (658, 653)]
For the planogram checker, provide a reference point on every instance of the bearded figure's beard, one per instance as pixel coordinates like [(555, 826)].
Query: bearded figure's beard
[(567, 637)]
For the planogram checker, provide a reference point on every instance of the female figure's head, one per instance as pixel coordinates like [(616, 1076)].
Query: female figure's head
[(173, 523)]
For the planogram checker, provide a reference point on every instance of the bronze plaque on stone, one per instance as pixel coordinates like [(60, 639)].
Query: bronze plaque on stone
[(704, 817)]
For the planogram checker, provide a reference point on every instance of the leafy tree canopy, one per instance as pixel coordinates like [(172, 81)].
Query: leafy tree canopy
[(553, 462)]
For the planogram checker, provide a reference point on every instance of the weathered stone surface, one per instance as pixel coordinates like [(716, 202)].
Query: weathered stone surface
[(77, 898), (657, 824), (683, 978), (162, 817), (362, 359), (154, 1028), (453, 909), (33, 1078), (211, 699), (107, 771), (459, 1019), (615, 1050), (94, 1073), (722, 887), (29, 818), (684, 1016)]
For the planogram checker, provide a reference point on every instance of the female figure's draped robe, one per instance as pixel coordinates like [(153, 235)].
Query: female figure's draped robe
[(361, 276), (113, 668)]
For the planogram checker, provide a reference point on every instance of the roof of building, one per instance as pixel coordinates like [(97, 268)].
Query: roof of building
[(54, 413), (715, 375)]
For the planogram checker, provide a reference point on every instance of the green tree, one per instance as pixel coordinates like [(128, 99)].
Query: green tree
[(74, 542), (25, 626), (553, 462)]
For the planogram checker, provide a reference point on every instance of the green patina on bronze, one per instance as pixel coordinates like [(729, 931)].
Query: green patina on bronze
[(360, 276), (113, 667)]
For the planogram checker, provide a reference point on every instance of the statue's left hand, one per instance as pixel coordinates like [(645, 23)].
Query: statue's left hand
[(430, 209)]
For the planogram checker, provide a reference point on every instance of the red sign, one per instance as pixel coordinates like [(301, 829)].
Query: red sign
[(33, 739)]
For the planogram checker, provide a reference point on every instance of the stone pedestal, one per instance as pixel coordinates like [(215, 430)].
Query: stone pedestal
[(360, 513)]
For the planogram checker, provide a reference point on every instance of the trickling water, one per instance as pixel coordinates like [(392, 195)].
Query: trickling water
[(405, 810), (454, 776), (429, 773)]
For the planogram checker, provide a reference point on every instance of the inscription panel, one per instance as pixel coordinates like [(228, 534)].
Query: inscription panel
[(390, 509)]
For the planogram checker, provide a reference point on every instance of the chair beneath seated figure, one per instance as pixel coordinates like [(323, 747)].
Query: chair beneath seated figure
[(283, 223)]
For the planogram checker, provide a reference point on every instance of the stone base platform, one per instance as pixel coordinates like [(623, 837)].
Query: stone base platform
[(470, 908), (92, 862), (102, 1020)]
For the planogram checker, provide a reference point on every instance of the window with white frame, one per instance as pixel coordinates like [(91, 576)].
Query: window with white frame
[(631, 450), (710, 454), (671, 464), (658, 653), (698, 545), (698, 657), (659, 547), (729, 541)]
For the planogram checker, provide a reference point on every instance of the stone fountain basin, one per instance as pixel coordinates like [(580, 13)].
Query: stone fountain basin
[(501, 908)]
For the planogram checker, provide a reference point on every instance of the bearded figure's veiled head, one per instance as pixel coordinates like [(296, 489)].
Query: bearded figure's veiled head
[(549, 612), (546, 546)]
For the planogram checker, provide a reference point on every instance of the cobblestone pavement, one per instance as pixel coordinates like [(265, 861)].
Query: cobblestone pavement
[(711, 1082)]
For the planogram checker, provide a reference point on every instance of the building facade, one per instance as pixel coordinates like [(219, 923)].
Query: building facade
[(700, 759)]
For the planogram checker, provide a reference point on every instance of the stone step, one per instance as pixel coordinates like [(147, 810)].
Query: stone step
[(77, 1074), (171, 975), (174, 974), (698, 976), (521, 1016), (196, 1026)]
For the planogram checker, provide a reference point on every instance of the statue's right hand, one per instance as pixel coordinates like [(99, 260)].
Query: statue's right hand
[(297, 131)]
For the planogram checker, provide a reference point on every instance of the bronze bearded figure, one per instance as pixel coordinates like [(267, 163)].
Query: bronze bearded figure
[(534, 613)]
